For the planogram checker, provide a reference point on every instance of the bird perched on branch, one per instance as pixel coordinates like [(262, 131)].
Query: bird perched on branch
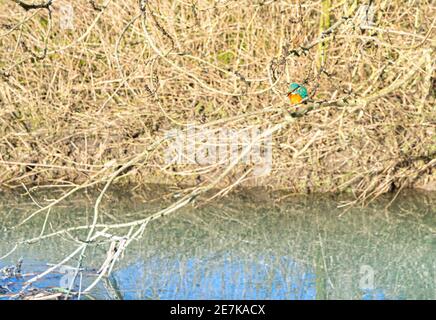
[(297, 93)]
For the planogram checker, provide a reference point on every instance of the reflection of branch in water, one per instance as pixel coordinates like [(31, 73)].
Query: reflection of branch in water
[(291, 229), (111, 285)]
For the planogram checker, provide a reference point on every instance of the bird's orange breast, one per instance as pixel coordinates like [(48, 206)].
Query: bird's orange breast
[(295, 98)]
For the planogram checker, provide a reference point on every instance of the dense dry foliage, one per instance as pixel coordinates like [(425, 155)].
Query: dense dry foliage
[(78, 105)]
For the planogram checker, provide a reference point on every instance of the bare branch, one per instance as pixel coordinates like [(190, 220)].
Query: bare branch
[(33, 6)]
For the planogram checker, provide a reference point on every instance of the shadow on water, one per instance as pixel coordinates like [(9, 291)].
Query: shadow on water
[(251, 245)]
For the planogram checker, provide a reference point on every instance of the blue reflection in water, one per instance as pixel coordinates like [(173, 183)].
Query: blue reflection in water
[(13, 284), (374, 294), (192, 278)]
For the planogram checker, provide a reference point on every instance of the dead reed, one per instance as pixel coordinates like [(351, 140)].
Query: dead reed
[(79, 103)]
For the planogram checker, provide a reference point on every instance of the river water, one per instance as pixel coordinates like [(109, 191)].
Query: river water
[(249, 245)]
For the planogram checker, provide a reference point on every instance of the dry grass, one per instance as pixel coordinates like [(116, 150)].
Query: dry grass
[(91, 105)]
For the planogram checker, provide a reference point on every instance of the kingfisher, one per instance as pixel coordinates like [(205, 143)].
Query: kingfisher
[(297, 93)]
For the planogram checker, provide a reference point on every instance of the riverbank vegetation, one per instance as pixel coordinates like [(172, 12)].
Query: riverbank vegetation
[(89, 87)]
